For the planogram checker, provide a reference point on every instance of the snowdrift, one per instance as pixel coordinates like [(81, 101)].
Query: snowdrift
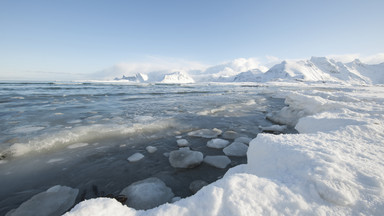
[(333, 167)]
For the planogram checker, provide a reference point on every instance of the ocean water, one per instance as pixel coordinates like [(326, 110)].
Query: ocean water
[(81, 134)]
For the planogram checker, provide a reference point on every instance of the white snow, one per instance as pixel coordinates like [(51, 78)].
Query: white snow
[(334, 166), (185, 158), (206, 133), (217, 143), (219, 161), (135, 157), (147, 193), (237, 149), (54, 201)]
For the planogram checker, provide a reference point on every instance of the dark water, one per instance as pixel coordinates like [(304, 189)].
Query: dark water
[(41, 122)]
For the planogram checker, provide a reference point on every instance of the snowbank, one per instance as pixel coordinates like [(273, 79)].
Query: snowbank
[(333, 167)]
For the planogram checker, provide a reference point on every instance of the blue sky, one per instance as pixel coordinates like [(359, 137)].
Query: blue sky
[(72, 38)]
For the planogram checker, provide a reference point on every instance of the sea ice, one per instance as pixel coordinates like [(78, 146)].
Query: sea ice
[(219, 161), (217, 143), (54, 201), (230, 135), (135, 157), (147, 193), (77, 145), (185, 158), (182, 142), (273, 128), (151, 149), (236, 149), (245, 140), (206, 133)]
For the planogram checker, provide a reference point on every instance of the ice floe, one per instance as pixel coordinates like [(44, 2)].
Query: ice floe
[(206, 133), (151, 149), (54, 201), (182, 142), (219, 161), (217, 143), (237, 149), (185, 158), (147, 193), (135, 157)]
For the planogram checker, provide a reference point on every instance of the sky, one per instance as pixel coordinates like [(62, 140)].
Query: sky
[(72, 39)]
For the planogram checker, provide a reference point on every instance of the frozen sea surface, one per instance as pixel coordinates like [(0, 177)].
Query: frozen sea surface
[(81, 134)]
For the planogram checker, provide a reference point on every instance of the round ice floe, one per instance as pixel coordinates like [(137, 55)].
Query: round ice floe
[(185, 158), (147, 193), (77, 145), (197, 185), (151, 149), (230, 135), (236, 149), (217, 143), (245, 140), (206, 133), (135, 157), (219, 161), (54, 201), (182, 142)]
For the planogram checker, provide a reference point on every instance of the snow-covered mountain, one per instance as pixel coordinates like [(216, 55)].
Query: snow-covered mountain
[(316, 69), (177, 77)]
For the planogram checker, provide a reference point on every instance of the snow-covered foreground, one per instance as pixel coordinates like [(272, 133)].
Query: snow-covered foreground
[(333, 167)]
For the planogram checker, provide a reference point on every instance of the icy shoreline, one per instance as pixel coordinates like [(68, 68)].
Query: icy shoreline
[(332, 167)]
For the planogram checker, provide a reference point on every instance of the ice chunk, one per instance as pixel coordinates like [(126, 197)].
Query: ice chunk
[(236, 149), (151, 149), (185, 158), (219, 161), (230, 135), (217, 143), (197, 185), (206, 133), (147, 193), (273, 128), (77, 145), (245, 140), (175, 199), (182, 142), (135, 157), (54, 201)]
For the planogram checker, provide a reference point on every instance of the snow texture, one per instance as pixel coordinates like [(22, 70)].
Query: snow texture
[(332, 167)]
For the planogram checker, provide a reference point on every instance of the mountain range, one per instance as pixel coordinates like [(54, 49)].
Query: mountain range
[(316, 69)]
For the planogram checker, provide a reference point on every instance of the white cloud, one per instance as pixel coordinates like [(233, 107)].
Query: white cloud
[(151, 64)]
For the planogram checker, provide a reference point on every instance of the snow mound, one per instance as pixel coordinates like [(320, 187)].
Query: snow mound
[(185, 158), (147, 193), (54, 201)]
